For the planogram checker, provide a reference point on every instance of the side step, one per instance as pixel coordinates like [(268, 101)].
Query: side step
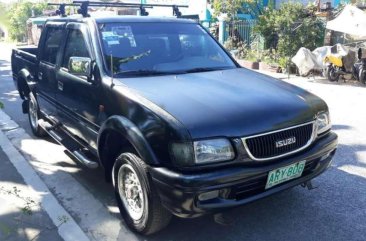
[(82, 158), (74, 149)]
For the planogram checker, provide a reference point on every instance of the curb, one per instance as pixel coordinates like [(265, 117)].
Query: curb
[(69, 231)]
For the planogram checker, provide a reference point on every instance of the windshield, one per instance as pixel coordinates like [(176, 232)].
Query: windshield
[(160, 48)]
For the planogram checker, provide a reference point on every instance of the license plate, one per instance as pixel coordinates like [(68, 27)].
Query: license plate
[(284, 174)]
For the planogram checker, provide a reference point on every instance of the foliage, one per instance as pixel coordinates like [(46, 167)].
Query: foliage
[(4, 20), (250, 52), (18, 16), (289, 28), (232, 7), (230, 43), (242, 50), (28, 202)]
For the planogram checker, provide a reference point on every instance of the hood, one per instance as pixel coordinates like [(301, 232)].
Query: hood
[(228, 103)]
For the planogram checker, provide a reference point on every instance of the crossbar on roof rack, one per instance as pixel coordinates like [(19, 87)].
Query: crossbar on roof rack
[(118, 4), (85, 4)]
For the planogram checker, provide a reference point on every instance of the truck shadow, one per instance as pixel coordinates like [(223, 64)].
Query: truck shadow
[(325, 81), (341, 127), (353, 83)]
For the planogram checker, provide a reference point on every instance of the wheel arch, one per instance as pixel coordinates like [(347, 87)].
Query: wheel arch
[(24, 83), (119, 134)]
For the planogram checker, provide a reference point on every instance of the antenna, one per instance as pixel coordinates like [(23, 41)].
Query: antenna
[(112, 69)]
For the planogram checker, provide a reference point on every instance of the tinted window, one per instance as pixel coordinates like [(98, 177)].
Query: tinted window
[(75, 47), (52, 45), (163, 47)]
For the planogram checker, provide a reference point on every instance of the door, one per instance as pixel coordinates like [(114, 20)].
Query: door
[(46, 75), (78, 96)]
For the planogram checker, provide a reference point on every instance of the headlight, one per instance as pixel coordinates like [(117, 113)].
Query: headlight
[(202, 152), (214, 150), (323, 123)]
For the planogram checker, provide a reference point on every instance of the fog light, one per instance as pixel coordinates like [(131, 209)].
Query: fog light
[(208, 195)]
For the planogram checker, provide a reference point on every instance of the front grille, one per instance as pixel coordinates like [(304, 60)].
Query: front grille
[(256, 185), (263, 147)]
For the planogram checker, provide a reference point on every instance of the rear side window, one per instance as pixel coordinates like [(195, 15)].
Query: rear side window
[(75, 47), (52, 45)]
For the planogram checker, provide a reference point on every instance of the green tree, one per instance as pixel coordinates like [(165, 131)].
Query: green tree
[(293, 26), (18, 16), (4, 21), (232, 7)]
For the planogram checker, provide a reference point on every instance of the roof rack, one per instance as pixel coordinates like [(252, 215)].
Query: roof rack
[(84, 5)]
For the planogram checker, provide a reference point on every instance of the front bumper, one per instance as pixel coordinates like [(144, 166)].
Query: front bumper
[(236, 185)]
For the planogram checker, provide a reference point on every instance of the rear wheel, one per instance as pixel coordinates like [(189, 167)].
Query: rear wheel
[(332, 74), (137, 198), (34, 116)]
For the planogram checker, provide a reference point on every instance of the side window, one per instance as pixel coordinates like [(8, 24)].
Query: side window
[(75, 47), (52, 45)]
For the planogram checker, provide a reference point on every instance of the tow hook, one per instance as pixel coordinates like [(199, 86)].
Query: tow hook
[(308, 185)]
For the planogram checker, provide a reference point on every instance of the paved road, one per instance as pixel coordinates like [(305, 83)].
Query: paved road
[(334, 211)]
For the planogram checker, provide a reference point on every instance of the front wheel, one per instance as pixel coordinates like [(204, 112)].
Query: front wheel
[(332, 74), (34, 116), (137, 198)]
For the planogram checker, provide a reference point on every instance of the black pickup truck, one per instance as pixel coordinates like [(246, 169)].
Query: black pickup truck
[(176, 124)]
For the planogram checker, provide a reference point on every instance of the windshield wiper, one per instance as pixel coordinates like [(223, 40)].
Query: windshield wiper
[(143, 72), (206, 69)]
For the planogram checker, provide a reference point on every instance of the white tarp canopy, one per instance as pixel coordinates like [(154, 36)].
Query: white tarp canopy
[(351, 20)]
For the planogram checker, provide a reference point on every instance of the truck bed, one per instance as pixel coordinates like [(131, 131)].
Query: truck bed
[(24, 57)]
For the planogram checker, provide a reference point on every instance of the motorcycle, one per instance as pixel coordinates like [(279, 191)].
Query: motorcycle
[(339, 62)]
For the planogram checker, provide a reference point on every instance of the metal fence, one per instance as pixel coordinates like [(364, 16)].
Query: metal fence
[(242, 30)]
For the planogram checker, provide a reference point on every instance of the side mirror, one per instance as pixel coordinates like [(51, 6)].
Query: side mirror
[(80, 66)]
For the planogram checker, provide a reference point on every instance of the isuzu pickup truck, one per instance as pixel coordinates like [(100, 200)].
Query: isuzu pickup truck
[(176, 124)]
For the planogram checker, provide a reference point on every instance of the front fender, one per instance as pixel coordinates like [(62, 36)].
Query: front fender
[(132, 133)]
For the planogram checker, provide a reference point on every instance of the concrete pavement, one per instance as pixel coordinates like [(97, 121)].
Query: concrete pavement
[(16, 224)]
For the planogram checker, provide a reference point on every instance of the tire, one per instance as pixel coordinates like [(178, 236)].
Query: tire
[(331, 74), (34, 115), (361, 76), (149, 216)]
